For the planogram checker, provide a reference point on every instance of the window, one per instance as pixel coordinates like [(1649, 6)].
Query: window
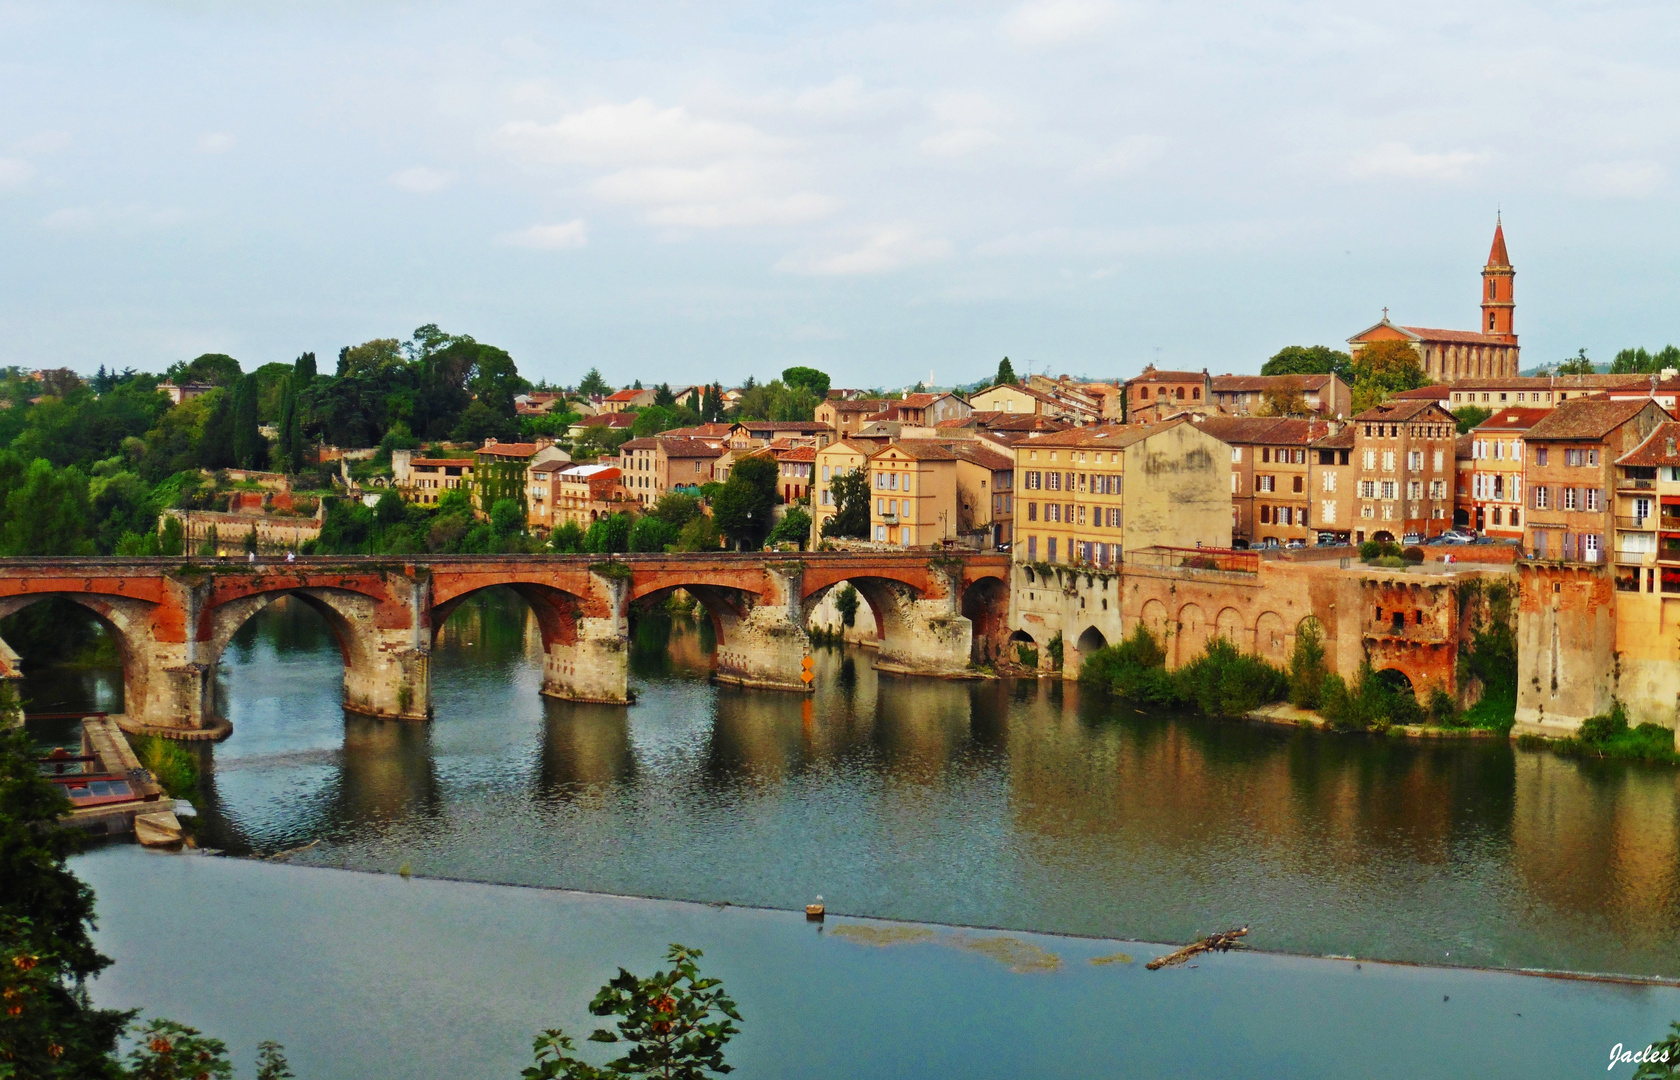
[(1327, 512), (1367, 511), (1414, 489), (1236, 454), (1592, 457), (1055, 480), (1032, 549), (1050, 547), (1081, 516), (1236, 483), (1540, 456), (1389, 489), (1300, 482), (1595, 498), (1414, 460), (1265, 515), (1265, 483), (1542, 500), (1440, 459), (1329, 481), (880, 532), (1589, 547), (1035, 480), (1569, 498), (1572, 457), (1437, 489), (1266, 454), (1032, 511), (1367, 489), (1388, 461), (1370, 460)]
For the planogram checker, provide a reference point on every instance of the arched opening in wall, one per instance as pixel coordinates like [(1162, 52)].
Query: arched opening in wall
[(1090, 641), (1396, 680), (842, 615), (492, 641), (679, 629), (72, 658), (1023, 649), (280, 663), (1383, 536), (985, 604)]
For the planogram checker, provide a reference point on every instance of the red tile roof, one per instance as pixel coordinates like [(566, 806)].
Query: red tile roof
[(1587, 418), (1259, 384), (1263, 430), (1519, 419), (1398, 410), (920, 449), (675, 448), (510, 449), (1661, 447)]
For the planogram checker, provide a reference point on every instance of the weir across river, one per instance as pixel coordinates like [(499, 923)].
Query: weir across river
[(171, 619)]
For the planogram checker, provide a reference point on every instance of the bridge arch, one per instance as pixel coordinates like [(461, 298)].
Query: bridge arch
[(128, 622), (985, 604), (349, 614)]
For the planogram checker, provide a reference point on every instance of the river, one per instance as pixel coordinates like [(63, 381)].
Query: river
[(1023, 805)]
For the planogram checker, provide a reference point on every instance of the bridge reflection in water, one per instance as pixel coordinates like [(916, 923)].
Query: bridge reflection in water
[(1020, 804)]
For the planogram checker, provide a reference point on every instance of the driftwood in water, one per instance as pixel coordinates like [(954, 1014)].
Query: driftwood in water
[(1222, 942)]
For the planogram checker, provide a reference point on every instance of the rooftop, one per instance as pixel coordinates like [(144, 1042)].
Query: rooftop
[(1587, 418), (1661, 447)]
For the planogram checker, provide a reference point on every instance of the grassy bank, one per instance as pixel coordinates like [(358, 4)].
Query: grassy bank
[(171, 762), (1222, 681), (1609, 736)]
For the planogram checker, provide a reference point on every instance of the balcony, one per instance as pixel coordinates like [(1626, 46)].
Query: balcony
[(1634, 558), (887, 519), (1637, 522), (1635, 483)]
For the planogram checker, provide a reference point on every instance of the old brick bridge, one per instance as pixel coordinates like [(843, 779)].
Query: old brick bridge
[(173, 618)]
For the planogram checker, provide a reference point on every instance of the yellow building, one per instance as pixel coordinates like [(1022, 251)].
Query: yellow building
[(914, 486), (834, 460), (1089, 494)]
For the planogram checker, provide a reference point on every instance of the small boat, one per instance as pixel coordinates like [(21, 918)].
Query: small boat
[(814, 912)]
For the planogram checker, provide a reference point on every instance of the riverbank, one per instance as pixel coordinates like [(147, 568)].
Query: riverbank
[(344, 968), (1291, 716)]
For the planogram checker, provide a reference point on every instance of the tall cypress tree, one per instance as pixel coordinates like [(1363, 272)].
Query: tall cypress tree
[(286, 426), (303, 370), (250, 449)]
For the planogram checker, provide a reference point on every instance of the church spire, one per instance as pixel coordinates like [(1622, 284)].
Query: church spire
[(1499, 288)]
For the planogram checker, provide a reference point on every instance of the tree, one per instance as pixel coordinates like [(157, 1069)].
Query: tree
[(507, 517), (1383, 369), (851, 497), (677, 1025), (846, 603), (289, 427), (271, 1062), (1285, 401), (1005, 374), (795, 527), (46, 510), (608, 535), (1640, 362), (46, 920), (592, 385), (700, 534), (808, 378), (215, 445), (390, 509), (217, 369), (1579, 364), (677, 508), (652, 535), (1309, 360), (566, 538), (170, 1051), (742, 506), (250, 449), (303, 369), (1469, 416), (1306, 666), (662, 396)]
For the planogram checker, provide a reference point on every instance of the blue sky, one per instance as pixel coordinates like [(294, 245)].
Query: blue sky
[(687, 191)]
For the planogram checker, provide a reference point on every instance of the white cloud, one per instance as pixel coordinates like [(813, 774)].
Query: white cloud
[(217, 142), (422, 181), (1397, 159), (960, 141), (1617, 179), (1126, 157), (886, 249), (44, 142), (15, 173), (968, 120), (108, 219), (1055, 22), (570, 234), (635, 133)]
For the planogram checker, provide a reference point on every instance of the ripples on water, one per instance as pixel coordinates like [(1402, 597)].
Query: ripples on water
[(1018, 804)]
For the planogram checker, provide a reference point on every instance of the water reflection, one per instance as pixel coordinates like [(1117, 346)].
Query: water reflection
[(1021, 804)]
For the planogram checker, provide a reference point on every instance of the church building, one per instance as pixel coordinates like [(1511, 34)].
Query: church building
[(1490, 351)]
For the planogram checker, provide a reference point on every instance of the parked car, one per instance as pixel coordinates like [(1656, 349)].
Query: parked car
[(1296, 543)]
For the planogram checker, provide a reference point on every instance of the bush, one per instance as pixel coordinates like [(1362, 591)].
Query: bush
[(652, 534), (1373, 701), (608, 535), (846, 603), (1413, 554), (1307, 671), (794, 528), (1224, 681), (1443, 709), (567, 538), (700, 534), (1135, 670), (1026, 655), (1599, 730), (1391, 562), (1055, 651)]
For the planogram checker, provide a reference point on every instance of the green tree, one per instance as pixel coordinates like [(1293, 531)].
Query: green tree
[(217, 369), (272, 1063), (166, 1050), (507, 517), (1663, 1061), (851, 497), (250, 449), (1384, 368), (608, 535), (743, 505), (846, 603), (1579, 364), (1632, 362), (1309, 360), (699, 534), (1284, 401), (676, 1023), (390, 509), (677, 508), (289, 427), (1307, 669), (795, 527), (173, 540), (652, 534), (808, 378), (46, 512), (1005, 374), (1469, 416), (592, 385), (46, 921), (566, 538), (303, 369)]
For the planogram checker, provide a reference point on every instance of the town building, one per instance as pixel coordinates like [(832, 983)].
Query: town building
[(1105, 398), (183, 391), (833, 461), (583, 494), (846, 415), (1012, 398), (1490, 351), (1570, 471), (1331, 478), (1271, 494), (499, 470), (985, 493), (923, 410), (914, 486), (659, 463), (750, 434), (794, 466), (1092, 493), (1407, 471), (628, 398), (1253, 395), (1494, 505), (425, 480), (1153, 395)]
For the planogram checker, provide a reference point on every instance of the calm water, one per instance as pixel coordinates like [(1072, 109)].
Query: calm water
[(1023, 805)]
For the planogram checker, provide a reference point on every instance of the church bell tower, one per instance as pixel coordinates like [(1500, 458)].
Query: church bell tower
[(1499, 300)]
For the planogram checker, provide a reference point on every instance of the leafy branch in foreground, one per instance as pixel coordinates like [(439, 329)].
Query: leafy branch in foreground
[(675, 1022)]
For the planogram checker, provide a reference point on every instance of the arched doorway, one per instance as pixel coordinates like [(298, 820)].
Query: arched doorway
[(985, 604)]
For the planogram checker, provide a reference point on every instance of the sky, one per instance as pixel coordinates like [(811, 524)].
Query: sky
[(891, 192)]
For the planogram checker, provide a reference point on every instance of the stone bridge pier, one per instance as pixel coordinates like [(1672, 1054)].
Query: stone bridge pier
[(590, 660), (761, 638)]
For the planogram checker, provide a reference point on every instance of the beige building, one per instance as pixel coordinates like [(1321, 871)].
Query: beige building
[(657, 464), (1092, 493), (1271, 492), (914, 487), (1247, 395), (1406, 456), (1014, 398), (426, 479), (1332, 478), (1494, 501), (846, 416), (985, 493), (832, 461), (584, 494)]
